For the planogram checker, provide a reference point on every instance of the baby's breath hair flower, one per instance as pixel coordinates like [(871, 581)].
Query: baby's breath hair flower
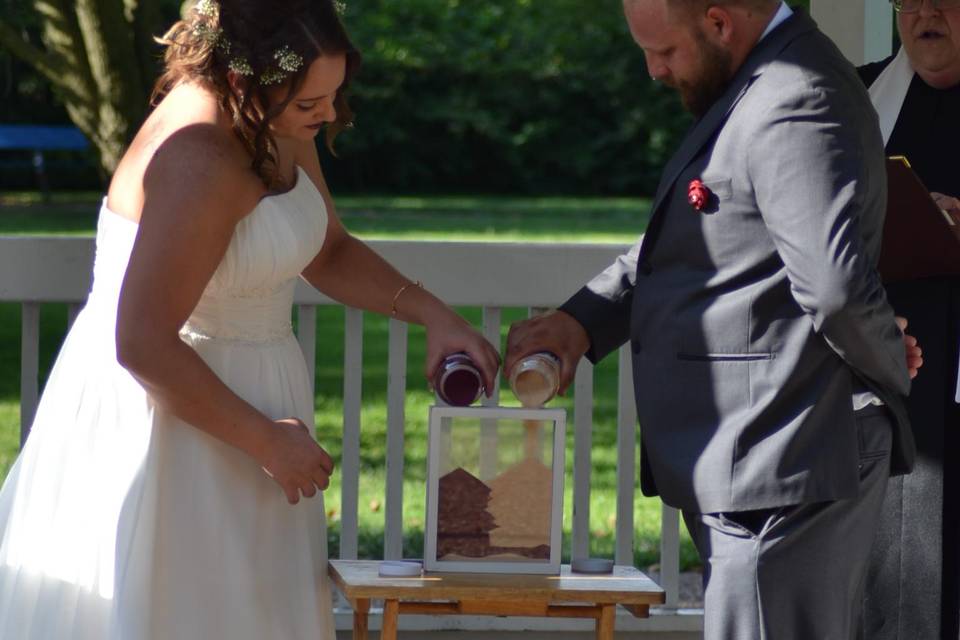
[(240, 66), (207, 8), (287, 60), (340, 6), (272, 76), (213, 35)]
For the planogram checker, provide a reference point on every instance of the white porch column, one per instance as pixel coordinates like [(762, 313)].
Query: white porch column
[(863, 29)]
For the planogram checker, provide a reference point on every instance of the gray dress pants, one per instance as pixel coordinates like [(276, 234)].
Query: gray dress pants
[(795, 572)]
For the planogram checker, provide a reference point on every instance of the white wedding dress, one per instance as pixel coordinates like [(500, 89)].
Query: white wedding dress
[(120, 522)]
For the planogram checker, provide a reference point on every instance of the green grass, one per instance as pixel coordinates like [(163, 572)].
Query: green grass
[(528, 219), (504, 219)]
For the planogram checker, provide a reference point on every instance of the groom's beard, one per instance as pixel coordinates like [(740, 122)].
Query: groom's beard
[(710, 81)]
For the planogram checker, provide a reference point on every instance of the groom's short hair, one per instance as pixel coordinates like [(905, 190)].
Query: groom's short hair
[(752, 4), (693, 5)]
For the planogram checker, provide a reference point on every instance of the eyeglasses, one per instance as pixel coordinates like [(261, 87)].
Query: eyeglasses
[(913, 6)]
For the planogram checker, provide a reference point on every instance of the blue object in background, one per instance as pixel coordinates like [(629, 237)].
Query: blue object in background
[(42, 137)]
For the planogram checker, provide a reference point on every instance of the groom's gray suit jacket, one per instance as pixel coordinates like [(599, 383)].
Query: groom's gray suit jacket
[(755, 321)]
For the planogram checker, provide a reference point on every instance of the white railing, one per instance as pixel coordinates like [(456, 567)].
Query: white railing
[(35, 270)]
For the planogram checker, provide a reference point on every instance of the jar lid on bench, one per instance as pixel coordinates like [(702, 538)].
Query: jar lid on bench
[(400, 568), (592, 565)]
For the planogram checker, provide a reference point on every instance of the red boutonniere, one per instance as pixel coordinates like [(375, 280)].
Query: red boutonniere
[(698, 195)]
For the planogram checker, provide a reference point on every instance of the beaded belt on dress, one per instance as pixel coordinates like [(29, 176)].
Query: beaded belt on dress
[(195, 334), (251, 319)]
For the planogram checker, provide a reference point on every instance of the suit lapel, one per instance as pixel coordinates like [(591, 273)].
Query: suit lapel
[(704, 129), (698, 135)]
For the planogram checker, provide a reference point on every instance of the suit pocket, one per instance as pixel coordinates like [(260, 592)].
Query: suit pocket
[(719, 192), (722, 189), (874, 435)]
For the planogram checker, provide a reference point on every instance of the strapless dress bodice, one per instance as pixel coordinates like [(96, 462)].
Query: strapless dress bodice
[(250, 295)]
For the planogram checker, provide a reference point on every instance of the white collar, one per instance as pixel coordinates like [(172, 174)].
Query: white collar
[(782, 14), (889, 91)]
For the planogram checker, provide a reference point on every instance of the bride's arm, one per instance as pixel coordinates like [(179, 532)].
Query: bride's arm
[(350, 272), (194, 195)]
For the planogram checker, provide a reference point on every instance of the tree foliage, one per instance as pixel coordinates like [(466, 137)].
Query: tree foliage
[(98, 57), (503, 96), (518, 96)]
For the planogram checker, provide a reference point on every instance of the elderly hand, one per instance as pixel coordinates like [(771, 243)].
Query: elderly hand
[(914, 353), (947, 203), (555, 331)]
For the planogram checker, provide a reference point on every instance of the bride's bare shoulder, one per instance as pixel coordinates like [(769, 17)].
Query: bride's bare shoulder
[(202, 166), (184, 152)]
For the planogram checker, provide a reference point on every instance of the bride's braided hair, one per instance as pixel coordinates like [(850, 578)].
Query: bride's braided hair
[(266, 44)]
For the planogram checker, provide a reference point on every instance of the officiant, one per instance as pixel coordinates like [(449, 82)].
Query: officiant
[(912, 586)]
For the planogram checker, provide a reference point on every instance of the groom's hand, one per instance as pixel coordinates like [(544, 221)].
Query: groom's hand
[(555, 331)]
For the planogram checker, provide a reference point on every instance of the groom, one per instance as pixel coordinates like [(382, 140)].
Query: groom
[(769, 371)]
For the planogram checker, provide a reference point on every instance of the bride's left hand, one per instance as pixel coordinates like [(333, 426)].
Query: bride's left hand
[(449, 333)]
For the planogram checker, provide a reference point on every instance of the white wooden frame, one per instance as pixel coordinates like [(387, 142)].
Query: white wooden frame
[(440, 413)]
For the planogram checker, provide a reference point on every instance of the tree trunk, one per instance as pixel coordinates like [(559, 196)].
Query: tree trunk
[(97, 54)]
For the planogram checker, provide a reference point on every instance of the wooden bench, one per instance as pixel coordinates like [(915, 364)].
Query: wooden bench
[(568, 595)]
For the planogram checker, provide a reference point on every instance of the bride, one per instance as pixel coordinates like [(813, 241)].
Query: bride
[(160, 493)]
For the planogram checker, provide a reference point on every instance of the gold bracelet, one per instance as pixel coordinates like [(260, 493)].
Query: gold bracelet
[(396, 296)]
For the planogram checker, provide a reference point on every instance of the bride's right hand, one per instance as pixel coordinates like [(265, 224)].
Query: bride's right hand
[(295, 461)]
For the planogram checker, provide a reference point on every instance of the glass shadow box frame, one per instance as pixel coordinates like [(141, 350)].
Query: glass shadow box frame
[(510, 461)]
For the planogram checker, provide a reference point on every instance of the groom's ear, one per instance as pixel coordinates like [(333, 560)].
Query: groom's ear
[(719, 24)]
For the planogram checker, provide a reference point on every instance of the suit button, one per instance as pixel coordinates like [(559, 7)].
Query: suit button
[(644, 268), (635, 347)]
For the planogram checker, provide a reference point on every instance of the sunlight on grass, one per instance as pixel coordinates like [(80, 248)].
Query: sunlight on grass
[(462, 218), (9, 434)]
